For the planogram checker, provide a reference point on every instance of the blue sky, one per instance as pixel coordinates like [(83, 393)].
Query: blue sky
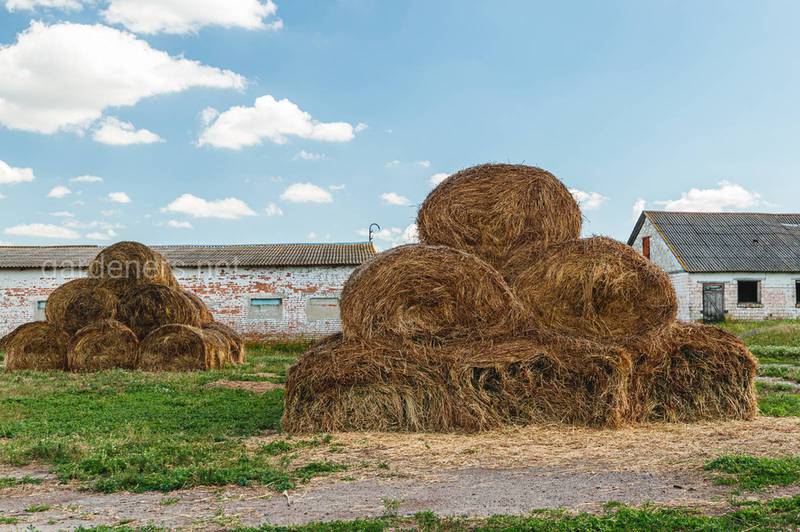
[(308, 120)]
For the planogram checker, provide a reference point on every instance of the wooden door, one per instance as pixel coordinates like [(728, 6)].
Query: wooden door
[(713, 302)]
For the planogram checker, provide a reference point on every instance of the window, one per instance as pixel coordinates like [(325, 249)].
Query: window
[(38, 310), (646, 247), (265, 308), (748, 292), (323, 308), (797, 293)]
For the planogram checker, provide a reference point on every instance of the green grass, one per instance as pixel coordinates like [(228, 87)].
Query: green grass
[(8, 520), (768, 332), (752, 473), (787, 373), (36, 508), (122, 430), (776, 354), (8, 482), (780, 404)]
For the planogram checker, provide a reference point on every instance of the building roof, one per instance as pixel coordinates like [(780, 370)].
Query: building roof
[(728, 241), (253, 255)]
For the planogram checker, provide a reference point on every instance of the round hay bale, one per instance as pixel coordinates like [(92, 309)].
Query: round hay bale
[(103, 345), (38, 345), (155, 305), (217, 343), (597, 288), (202, 309), (492, 209), (694, 372), (427, 293), (132, 261), (235, 341), (79, 302), (176, 348)]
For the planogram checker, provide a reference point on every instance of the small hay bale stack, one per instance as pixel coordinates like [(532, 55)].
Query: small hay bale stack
[(38, 345), (235, 341), (427, 294), (492, 209), (202, 309), (103, 345), (153, 306), (177, 348), (132, 261), (597, 288), (78, 303), (696, 372)]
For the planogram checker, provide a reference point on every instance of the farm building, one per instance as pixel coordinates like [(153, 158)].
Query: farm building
[(270, 290), (726, 265)]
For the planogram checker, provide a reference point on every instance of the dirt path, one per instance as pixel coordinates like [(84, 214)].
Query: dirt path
[(508, 472)]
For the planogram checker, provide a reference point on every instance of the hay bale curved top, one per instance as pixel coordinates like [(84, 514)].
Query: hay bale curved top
[(235, 341), (491, 209), (427, 293), (78, 303), (103, 345), (132, 261), (597, 288), (176, 348), (202, 309), (153, 306), (38, 345)]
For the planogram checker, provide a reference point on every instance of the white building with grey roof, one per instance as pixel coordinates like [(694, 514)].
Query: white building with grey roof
[(726, 265), (263, 291)]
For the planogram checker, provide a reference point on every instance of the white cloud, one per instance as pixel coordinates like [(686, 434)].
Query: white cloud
[(208, 114), (30, 5), (393, 198), (189, 16), (87, 179), (393, 236), (589, 201), (637, 208), (273, 210), (438, 178), (115, 132), (728, 196), (108, 234), (424, 164), (361, 126), (226, 209), (312, 235), (10, 175), (62, 214), (63, 76), (390, 164), (59, 191), (308, 156), (42, 231), (75, 224), (306, 193), (118, 197), (269, 119), (177, 224), (337, 187)]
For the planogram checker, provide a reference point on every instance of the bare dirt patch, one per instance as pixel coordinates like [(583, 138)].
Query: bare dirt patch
[(250, 386)]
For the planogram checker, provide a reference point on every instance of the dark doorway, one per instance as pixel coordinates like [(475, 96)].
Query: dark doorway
[(713, 302)]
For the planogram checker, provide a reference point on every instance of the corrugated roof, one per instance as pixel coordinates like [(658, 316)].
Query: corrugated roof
[(729, 241), (345, 254)]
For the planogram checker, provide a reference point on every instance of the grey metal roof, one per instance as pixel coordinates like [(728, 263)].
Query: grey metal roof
[(729, 241), (345, 254)]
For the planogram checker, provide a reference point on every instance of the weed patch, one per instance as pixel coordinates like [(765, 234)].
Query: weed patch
[(752, 473)]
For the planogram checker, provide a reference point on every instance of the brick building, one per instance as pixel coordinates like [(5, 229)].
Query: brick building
[(726, 265), (271, 290)]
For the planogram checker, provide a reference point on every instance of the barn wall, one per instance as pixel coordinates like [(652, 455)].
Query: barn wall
[(660, 253), (227, 292)]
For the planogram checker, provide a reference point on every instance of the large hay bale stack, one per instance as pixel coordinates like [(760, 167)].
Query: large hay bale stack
[(235, 342), (696, 372), (430, 294), (37, 345), (202, 310), (103, 345), (79, 302), (178, 348), (153, 306), (493, 209), (597, 288), (132, 261)]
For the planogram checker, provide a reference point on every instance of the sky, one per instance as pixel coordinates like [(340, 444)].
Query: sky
[(253, 121)]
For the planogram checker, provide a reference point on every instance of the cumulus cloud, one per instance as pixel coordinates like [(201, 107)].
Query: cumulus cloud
[(42, 231), (115, 132), (308, 156), (63, 76), (59, 192), (87, 179), (118, 197), (393, 198), (306, 193), (637, 208), (177, 224), (30, 5), (270, 119), (108, 234), (438, 178), (393, 236), (226, 209), (273, 210), (726, 197), (189, 16), (588, 201), (361, 126), (10, 175)]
